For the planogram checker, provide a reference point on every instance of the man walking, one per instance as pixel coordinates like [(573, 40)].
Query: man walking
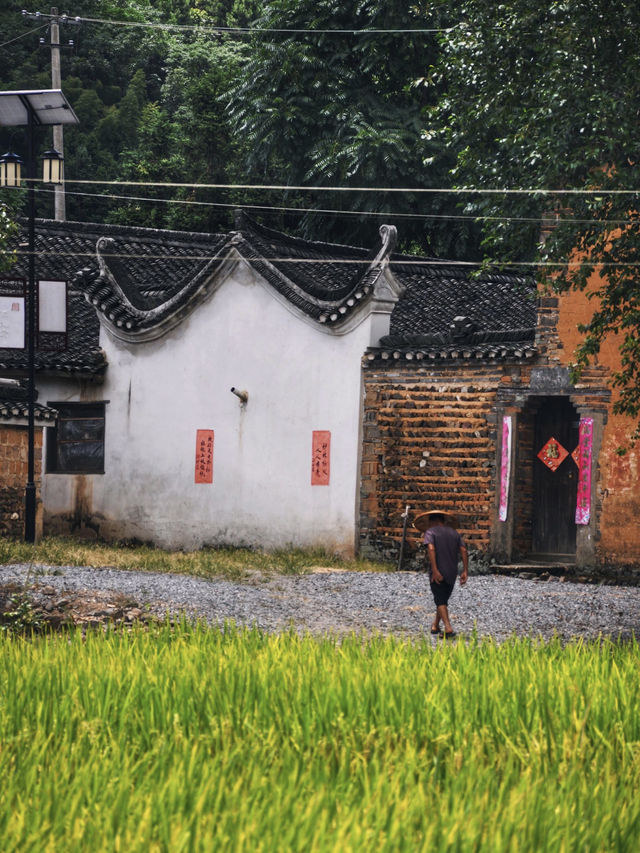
[(444, 546)]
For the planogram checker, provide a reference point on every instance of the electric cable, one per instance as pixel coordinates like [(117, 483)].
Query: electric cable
[(551, 219), (257, 30), (403, 260), (27, 33), (407, 190), (268, 208)]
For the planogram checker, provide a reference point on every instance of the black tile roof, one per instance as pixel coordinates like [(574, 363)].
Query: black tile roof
[(436, 292), (507, 351), (324, 281), (61, 249), (142, 280), (448, 311), (14, 404), (18, 409)]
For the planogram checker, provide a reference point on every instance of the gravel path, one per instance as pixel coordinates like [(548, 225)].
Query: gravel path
[(340, 601)]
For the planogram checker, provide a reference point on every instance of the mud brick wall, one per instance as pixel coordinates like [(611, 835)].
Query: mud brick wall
[(428, 441), (13, 476)]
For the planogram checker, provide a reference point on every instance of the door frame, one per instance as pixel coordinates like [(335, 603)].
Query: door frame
[(543, 484), (516, 405)]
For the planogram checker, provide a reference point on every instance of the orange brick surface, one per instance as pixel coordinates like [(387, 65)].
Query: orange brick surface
[(429, 441), (13, 476)]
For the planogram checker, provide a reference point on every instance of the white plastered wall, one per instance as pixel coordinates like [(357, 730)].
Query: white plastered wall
[(298, 378)]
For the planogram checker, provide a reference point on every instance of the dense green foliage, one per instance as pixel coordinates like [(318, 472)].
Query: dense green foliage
[(194, 739), (190, 106), (149, 102), (341, 109), (7, 227), (546, 95)]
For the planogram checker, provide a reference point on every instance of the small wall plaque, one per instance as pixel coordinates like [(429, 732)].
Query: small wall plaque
[(320, 457), (204, 456)]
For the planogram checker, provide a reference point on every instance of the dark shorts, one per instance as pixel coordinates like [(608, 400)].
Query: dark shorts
[(441, 592)]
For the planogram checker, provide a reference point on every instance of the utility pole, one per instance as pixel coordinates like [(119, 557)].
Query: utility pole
[(59, 206), (56, 83)]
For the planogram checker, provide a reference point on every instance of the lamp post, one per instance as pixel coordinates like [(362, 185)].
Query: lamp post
[(31, 109)]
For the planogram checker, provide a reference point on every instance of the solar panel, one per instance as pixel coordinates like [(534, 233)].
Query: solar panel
[(49, 106)]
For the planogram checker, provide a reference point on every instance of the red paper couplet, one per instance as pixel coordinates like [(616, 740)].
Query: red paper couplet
[(204, 456), (320, 457)]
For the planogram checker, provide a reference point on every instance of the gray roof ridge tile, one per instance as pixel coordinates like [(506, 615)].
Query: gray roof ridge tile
[(10, 409), (137, 231), (249, 224), (112, 297)]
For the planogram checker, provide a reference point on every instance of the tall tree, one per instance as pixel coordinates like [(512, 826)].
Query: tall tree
[(184, 137), (329, 105), (545, 95), (147, 99)]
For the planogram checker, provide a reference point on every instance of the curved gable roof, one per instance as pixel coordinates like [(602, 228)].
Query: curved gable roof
[(147, 283)]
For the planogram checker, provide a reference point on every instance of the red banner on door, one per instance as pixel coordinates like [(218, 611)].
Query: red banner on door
[(553, 454), (204, 456), (320, 457)]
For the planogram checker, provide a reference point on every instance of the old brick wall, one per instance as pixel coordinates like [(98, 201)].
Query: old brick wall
[(428, 441), (13, 477)]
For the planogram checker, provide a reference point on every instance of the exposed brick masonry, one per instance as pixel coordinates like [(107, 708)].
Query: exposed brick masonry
[(428, 441), (13, 476)]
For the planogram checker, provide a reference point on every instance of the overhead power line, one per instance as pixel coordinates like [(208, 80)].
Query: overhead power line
[(417, 190), (258, 30), (22, 35), (549, 218), (404, 260), (272, 208)]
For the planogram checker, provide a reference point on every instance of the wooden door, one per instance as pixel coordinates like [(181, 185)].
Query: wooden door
[(555, 483)]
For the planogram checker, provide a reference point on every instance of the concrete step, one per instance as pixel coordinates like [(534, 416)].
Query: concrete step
[(531, 569)]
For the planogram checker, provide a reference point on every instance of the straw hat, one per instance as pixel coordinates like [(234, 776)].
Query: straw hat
[(424, 520)]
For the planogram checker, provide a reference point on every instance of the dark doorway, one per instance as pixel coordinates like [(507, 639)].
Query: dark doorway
[(555, 481)]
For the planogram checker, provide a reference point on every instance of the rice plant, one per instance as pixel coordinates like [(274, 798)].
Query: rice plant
[(183, 738)]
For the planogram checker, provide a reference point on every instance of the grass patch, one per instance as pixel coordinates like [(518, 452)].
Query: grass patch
[(232, 563), (190, 739)]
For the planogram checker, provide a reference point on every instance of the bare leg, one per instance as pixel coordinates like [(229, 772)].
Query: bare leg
[(435, 625), (443, 613)]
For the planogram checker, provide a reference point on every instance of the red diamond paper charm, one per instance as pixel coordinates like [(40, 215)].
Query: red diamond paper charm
[(576, 456), (553, 454)]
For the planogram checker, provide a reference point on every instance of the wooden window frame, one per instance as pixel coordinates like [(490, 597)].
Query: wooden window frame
[(70, 414)]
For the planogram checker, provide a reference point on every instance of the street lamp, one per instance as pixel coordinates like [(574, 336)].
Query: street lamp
[(10, 170), (31, 109)]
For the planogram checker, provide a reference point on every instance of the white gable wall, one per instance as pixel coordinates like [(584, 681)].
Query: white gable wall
[(298, 378)]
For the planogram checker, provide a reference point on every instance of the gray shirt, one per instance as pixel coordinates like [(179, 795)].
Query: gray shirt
[(447, 543)]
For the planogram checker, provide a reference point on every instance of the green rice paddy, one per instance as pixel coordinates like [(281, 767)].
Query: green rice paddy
[(185, 738)]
